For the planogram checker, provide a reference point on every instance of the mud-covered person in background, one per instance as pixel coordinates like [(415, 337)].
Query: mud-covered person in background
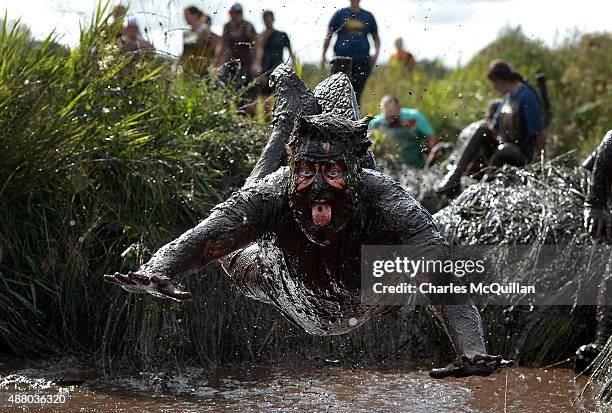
[(518, 130), (467, 132), (269, 53), (520, 118), (352, 25), (237, 43), (199, 44), (406, 129), (598, 223), (483, 151)]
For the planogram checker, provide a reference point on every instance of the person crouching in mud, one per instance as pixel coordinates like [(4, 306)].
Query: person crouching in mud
[(517, 130), (293, 239)]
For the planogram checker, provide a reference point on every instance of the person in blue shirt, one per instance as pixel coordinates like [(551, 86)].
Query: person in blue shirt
[(517, 132), (519, 120), (352, 25)]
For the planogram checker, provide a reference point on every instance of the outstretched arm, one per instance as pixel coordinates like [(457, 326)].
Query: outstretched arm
[(240, 220), (457, 313)]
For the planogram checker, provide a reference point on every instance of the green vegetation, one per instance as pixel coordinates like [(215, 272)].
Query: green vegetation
[(578, 72), (104, 157)]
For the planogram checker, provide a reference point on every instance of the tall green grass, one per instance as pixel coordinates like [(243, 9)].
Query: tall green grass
[(104, 157)]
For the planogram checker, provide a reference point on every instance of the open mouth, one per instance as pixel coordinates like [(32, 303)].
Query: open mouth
[(321, 212)]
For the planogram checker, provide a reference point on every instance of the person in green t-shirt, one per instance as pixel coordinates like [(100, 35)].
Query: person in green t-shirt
[(407, 129)]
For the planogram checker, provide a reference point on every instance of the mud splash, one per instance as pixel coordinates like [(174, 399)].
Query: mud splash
[(290, 387)]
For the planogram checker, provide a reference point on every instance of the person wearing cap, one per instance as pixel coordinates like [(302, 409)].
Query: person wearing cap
[(352, 25), (238, 42), (199, 43), (269, 51)]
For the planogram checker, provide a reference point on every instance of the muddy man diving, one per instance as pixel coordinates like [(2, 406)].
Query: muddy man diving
[(292, 236)]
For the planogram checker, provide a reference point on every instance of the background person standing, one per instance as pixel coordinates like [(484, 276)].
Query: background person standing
[(199, 43), (131, 40), (269, 51), (352, 25), (401, 57), (238, 42)]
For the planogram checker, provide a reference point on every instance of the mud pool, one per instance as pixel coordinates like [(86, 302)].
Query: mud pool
[(289, 387)]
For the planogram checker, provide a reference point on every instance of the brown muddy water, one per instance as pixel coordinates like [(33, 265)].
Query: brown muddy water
[(285, 387)]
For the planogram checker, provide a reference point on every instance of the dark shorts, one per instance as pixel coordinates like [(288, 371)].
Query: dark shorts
[(240, 78), (361, 71)]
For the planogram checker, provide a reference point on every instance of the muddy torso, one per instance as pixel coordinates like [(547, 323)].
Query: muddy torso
[(318, 287)]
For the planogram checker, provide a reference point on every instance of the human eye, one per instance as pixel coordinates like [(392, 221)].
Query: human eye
[(306, 169), (333, 171)]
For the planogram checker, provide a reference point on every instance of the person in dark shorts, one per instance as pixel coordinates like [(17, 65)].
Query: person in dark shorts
[(352, 25), (237, 44), (269, 51)]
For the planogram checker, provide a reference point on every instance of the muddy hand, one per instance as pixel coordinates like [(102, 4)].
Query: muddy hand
[(478, 365), (158, 286)]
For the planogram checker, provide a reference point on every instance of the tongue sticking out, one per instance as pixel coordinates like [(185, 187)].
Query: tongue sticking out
[(321, 213)]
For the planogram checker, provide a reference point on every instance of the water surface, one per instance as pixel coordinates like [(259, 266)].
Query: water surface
[(290, 387)]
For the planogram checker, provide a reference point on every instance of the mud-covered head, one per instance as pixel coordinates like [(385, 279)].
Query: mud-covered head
[(324, 157)]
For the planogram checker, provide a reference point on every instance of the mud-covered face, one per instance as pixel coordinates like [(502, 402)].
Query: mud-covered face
[(320, 192)]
